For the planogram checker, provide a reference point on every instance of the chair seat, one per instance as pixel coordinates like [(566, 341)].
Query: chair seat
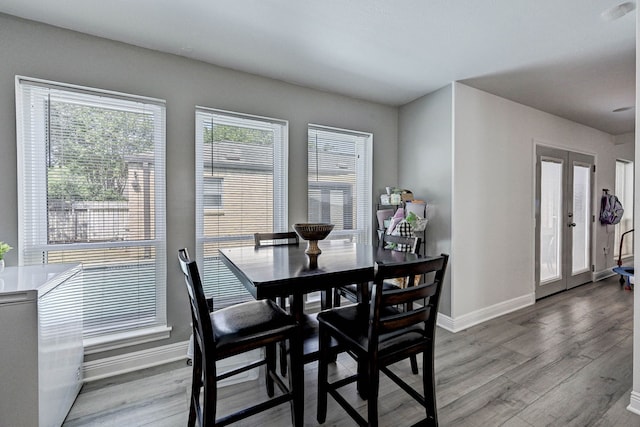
[(241, 324), (352, 322)]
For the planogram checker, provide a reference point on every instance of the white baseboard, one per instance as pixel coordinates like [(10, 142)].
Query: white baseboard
[(603, 274), (129, 362), (476, 317), (634, 403)]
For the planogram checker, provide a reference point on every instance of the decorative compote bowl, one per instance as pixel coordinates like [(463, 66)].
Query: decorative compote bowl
[(312, 232)]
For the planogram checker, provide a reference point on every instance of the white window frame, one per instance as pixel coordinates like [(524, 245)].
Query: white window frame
[(33, 234), (625, 193), (364, 220), (364, 171), (280, 184)]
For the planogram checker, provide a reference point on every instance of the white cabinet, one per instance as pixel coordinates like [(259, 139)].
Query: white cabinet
[(41, 351)]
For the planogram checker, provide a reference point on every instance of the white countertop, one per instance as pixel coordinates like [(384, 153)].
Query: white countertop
[(37, 279)]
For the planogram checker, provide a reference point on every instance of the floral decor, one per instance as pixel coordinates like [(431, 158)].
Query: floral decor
[(4, 248)]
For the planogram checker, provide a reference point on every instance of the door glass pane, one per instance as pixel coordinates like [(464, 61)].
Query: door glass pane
[(581, 213), (550, 220)]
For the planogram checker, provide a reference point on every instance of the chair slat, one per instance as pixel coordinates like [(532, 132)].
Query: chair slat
[(410, 294), (404, 320)]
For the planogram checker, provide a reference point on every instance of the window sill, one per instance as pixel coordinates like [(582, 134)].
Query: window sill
[(126, 339)]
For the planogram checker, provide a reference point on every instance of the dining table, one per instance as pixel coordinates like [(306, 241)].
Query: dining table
[(287, 271)]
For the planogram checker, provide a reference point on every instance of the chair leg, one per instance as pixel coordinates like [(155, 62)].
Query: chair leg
[(283, 359), (374, 384), (296, 379), (283, 345), (270, 350), (336, 297), (429, 384), (196, 385), (195, 396), (324, 341), (414, 364), (210, 396), (363, 378)]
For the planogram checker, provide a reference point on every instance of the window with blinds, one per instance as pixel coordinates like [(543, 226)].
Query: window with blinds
[(92, 191), (624, 192), (241, 189), (339, 181)]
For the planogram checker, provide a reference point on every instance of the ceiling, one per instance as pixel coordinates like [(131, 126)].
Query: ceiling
[(561, 57)]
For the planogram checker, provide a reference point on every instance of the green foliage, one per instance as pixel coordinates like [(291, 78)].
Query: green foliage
[(4, 248), (90, 148), (228, 133)]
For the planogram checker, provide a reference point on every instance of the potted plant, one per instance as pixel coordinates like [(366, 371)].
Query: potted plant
[(4, 248)]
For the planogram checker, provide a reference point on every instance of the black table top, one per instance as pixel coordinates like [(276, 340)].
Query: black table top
[(271, 271)]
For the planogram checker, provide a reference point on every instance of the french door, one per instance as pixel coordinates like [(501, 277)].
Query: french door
[(564, 217)]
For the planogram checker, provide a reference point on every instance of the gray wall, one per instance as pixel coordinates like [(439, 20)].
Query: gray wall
[(41, 51), (494, 182), (425, 167)]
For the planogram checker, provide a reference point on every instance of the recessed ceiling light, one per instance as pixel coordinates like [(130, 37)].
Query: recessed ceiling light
[(621, 109), (618, 11)]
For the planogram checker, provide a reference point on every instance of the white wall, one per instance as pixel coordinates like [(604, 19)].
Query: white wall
[(634, 404), (425, 167), (493, 215), (46, 52)]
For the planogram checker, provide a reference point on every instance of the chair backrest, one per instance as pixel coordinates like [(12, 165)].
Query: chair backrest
[(408, 244), (384, 321), (202, 327), (275, 239)]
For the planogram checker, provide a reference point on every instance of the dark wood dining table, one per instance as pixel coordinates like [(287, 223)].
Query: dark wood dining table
[(285, 270)]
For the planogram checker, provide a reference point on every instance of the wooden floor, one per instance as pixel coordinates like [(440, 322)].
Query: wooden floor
[(565, 361)]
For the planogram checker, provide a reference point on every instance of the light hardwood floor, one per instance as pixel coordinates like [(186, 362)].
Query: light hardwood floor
[(565, 361)]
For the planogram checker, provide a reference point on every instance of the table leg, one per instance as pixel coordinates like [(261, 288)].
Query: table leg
[(326, 299)]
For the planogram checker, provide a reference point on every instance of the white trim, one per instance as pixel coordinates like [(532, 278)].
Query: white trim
[(634, 403), (129, 362), (126, 339), (87, 90), (471, 319), (210, 110), (603, 274)]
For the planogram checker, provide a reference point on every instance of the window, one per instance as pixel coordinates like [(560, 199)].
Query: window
[(339, 181), (624, 192), (247, 154), (92, 190), (212, 192)]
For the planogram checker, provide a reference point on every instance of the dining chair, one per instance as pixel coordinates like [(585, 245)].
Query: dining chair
[(387, 241), (379, 334), (276, 239), (232, 331)]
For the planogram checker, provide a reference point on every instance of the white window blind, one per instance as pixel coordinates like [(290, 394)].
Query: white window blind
[(624, 192), (92, 190), (247, 156), (339, 181)]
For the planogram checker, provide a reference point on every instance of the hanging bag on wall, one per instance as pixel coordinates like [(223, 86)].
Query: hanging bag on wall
[(611, 210)]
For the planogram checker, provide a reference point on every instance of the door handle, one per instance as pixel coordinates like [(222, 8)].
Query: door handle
[(571, 224)]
